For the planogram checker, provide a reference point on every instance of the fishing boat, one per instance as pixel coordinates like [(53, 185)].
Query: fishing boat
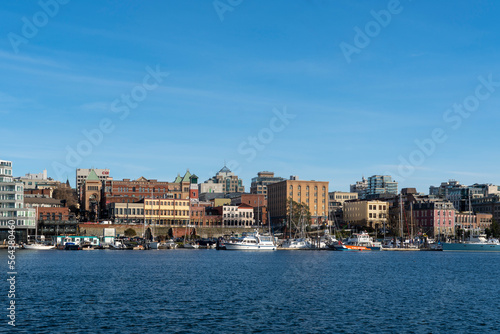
[(252, 241)]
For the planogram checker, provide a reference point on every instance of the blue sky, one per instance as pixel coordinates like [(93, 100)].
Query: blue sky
[(228, 79)]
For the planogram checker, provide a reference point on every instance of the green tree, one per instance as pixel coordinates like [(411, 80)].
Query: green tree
[(130, 232), (494, 229), (298, 215), (66, 194)]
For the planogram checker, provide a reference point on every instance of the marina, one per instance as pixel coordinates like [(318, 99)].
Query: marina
[(317, 285)]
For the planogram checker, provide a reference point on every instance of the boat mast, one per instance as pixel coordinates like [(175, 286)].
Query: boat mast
[(470, 217), (411, 220), (401, 231), (290, 218)]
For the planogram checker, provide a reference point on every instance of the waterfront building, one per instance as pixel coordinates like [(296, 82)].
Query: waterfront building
[(238, 216), (12, 206), (48, 209), (203, 214), (213, 216), (167, 211), (336, 201), (473, 221), (83, 173), (259, 204), (263, 179), (434, 217), (460, 195), (230, 182), (314, 194), (489, 204), (130, 191), (126, 213), (373, 214), (90, 193)]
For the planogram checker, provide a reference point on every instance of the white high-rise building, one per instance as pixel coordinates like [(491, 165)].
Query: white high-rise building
[(12, 205)]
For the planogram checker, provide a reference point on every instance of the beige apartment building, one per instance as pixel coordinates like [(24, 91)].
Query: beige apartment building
[(313, 193), (169, 211), (373, 214), (126, 213), (341, 197)]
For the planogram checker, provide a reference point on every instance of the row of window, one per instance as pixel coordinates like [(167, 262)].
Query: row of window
[(241, 215), (374, 207), (374, 215), (6, 171), (178, 203), (307, 194), (307, 188), (167, 212)]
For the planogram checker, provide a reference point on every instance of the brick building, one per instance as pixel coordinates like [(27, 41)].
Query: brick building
[(259, 204)]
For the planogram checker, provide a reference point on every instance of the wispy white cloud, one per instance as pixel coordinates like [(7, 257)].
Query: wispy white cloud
[(38, 61)]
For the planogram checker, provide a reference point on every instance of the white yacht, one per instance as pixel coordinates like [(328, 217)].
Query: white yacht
[(363, 239), (252, 241), (301, 243), (38, 246)]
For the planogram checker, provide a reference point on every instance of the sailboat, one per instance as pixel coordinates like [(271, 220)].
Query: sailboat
[(297, 243), (37, 245)]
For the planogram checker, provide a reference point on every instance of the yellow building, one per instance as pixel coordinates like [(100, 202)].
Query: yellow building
[(373, 214), (166, 211), (221, 201), (312, 193)]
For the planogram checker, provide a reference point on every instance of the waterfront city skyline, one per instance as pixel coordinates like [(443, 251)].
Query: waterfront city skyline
[(358, 100)]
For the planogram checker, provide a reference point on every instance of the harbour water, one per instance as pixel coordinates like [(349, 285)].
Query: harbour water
[(209, 291)]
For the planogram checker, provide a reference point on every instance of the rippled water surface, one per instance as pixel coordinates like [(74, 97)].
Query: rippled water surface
[(208, 291)]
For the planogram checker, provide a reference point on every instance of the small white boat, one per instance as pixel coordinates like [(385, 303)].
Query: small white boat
[(153, 245), (170, 244), (301, 243), (252, 241), (191, 246), (117, 245), (39, 246)]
